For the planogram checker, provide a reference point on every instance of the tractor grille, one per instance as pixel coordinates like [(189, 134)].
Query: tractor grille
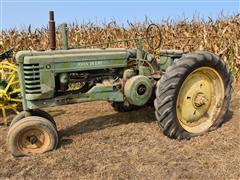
[(32, 78)]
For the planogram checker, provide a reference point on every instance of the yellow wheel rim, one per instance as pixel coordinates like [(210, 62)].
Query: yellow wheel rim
[(200, 100), (9, 89), (33, 141)]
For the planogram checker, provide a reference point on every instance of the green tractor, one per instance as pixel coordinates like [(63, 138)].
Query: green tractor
[(191, 92)]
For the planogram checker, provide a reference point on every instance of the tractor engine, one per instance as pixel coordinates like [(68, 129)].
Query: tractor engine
[(81, 82)]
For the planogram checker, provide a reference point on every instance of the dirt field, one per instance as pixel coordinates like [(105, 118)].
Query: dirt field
[(98, 143)]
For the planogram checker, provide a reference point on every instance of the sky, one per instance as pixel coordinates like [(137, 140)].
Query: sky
[(21, 13)]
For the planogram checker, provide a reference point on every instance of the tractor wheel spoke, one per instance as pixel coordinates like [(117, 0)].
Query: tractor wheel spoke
[(15, 91), (4, 115), (15, 82), (14, 109), (15, 100), (11, 75), (9, 82)]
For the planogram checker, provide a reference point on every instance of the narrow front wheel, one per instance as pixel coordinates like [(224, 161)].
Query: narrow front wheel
[(35, 112), (32, 135)]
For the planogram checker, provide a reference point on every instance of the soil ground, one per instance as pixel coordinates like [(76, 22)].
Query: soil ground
[(98, 143)]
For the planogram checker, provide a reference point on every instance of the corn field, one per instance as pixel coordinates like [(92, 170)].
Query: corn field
[(220, 36)]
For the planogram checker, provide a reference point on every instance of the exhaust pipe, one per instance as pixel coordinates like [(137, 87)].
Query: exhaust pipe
[(52, 33)]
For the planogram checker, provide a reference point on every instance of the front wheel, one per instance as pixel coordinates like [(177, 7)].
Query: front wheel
[(35, 112), (193, 96), (32, 135)]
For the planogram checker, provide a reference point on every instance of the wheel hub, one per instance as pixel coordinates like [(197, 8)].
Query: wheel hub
[(198, 98), (33, 141), (141, 89)]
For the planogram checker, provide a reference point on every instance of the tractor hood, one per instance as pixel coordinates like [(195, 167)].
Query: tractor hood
[(55, 56)]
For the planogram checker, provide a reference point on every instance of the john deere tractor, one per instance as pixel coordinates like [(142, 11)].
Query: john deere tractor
[(191, 92)]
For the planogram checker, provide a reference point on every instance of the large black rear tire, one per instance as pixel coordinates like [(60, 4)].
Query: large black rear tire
[(203, 67)]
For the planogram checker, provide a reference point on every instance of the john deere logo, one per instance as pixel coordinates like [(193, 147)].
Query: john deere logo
[(92, 63)]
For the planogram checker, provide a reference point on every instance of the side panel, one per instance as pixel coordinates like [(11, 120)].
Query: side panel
[(80, 62), (22, 85), (98, 92)]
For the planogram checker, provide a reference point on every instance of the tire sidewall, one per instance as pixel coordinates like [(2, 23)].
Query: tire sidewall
[(30, 122), (173, 80), (209, 60)]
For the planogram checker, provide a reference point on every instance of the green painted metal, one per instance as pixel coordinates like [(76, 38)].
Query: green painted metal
[(38, 72), (128, 73), (144, 70), (139, 51), (22, 84), (42, 67), (165, 62), (64, 36), (41, 73), (22, 54), (133, 92), (99, 92)]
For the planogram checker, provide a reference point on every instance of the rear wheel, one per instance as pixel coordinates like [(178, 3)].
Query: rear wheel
[(193, 96), (32, 135)]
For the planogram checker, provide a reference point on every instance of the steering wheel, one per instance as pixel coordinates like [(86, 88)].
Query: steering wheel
[(154, 36)]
